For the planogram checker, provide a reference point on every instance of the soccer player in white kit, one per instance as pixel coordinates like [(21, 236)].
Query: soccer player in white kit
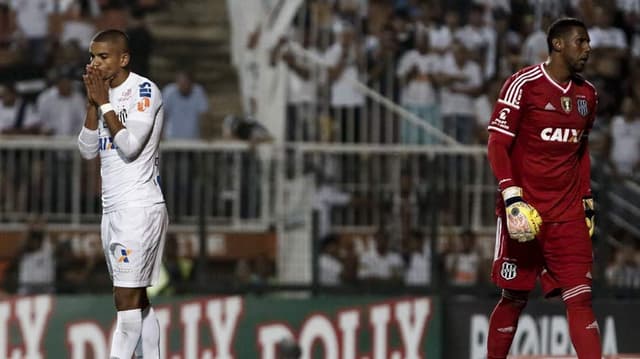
[(123, 125)]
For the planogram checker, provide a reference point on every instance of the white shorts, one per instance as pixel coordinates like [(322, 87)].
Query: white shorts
[(133, 242)]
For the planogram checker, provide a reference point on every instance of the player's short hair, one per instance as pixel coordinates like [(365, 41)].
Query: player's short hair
[(560, 28), (113, 36)]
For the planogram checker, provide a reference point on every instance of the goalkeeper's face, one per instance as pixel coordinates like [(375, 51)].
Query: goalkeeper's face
[(109, 58), (577, 49)]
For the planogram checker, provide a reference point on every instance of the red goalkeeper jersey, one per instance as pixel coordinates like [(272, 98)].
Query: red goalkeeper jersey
[(544, 126)]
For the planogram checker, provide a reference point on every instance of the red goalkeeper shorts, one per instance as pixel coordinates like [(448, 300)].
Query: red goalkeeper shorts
[(561, 255)]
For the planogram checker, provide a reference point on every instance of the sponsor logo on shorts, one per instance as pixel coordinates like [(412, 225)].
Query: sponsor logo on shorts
[(120, 252), (508, 271)]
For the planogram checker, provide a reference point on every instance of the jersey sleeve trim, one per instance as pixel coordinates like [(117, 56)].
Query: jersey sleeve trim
[(497, 129), (508, 104), (514, 91)]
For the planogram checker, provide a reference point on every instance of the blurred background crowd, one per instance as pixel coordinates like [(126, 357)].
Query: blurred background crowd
[(385, 107)]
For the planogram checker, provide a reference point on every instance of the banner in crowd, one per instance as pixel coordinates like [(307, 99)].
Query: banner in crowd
[(542, 329), (80, 327)]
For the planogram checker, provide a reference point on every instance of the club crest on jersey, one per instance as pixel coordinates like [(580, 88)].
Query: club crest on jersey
[(509, 270), (566, 103), (583, 109)]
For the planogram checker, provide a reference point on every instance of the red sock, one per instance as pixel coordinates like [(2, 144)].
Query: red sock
[(583, 327), (502, 327)]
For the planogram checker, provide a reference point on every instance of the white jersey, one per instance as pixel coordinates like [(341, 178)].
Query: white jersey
[(132, 183)]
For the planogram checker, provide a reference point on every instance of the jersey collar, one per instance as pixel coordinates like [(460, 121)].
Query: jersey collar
[(554, 83)]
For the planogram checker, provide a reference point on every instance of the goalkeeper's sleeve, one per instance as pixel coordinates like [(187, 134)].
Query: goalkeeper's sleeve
[(523, 221), (498, 154)]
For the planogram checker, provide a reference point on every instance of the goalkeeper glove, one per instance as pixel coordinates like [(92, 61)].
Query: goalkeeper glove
[(523, 221), (589, 214)]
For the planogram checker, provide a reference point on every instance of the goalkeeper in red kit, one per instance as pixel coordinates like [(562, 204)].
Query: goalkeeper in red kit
[(538, 152)]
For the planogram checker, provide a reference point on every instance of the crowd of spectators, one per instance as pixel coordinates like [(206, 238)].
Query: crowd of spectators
[(442, 62), (373, 261), (43, 50)]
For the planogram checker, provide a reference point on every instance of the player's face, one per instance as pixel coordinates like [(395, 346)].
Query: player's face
[(108, 57), (577, 49)]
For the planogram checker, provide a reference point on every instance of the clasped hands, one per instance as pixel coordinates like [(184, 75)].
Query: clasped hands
[(96, 85)]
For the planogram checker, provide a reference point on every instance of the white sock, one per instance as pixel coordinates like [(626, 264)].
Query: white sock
[(149, 343), (127, 334)]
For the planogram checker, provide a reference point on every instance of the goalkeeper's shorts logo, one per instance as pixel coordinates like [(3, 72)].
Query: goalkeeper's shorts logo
[(508, 271)]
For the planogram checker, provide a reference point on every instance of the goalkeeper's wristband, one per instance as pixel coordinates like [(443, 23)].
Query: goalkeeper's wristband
[(511, 195)]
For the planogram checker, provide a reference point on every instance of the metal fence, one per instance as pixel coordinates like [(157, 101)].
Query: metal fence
[(234, 185), (47, 178)]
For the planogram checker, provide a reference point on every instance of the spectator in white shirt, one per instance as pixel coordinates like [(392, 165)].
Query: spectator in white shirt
[(480, 40), (608, 44), (535, 49), (302, 80), (78, 27), (463, 264), (381, 264), (418, 259), (490, 6), (326, 197), (461, 80), (32, 18), (415, 71), (624, 140), (62, 107), (36, 265), (343, 59), (624, 270), (442, 30), (8, 98), (329, 263)]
